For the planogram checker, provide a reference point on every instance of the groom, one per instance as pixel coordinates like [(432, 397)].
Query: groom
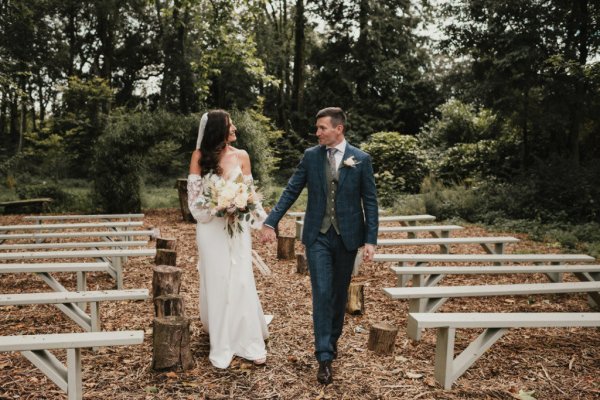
[(341, 216)]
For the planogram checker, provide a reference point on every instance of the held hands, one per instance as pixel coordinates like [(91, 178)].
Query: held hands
[(368, 252), (267, 234)]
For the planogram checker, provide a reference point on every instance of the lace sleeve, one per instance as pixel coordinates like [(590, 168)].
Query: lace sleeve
[(259, 213), (194, 188)]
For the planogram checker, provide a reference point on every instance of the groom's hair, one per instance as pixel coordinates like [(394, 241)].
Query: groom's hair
[(338, 117)]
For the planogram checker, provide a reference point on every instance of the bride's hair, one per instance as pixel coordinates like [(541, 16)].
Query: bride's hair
[(214, 141)]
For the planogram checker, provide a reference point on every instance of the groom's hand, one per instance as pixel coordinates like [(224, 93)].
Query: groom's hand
[(267, 234), (368, 252)]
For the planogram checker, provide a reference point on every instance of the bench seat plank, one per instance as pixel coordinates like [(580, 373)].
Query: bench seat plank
[(493, 269), (448, 369), (82, 225), (67, 235), (82, 216), (485, 258), (69, 340), (440, 241), (420, 228), (54, 267), (78, 254), (72, 297), (491, 290), (73, 245), (506, 320)]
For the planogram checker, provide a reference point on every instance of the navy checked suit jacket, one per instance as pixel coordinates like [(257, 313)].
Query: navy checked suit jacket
[(356, 199)]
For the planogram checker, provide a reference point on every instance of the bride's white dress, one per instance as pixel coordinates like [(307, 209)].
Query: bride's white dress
[(230, 310)]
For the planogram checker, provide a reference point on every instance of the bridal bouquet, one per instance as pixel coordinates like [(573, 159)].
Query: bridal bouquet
[(235, 199)]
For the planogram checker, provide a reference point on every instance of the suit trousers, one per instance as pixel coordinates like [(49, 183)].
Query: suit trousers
[(330, 265)]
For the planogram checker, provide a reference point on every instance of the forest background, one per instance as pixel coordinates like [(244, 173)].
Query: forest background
[(481, 110)]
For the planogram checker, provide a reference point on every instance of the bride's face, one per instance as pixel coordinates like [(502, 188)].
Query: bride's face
[(232, 137)]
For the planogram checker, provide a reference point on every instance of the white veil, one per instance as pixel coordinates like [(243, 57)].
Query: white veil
[(201, 129)]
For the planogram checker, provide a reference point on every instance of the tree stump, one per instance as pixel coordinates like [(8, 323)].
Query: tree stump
[(181, 186), (165, 257), (285, 247), (171, 343), (168, 305), (356, 299), (165, 280), (166, 243), (382, 337), (301, 264)]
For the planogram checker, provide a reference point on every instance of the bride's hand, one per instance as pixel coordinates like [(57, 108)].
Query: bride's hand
[(267, 234)]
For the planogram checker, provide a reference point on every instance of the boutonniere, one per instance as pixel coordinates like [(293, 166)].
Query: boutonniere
[(351, 162)]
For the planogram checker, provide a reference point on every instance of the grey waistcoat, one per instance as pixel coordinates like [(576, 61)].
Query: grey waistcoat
[(330, 218)]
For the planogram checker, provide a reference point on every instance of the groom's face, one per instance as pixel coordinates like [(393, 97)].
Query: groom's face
[(328, 134)]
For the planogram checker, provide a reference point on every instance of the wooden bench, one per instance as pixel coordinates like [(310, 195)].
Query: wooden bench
[(421, 259), (80, 225), (43, 270), (68, 378), (429, 299), (436, 231), (67, 303), (486, 242), (31, 205), (107, 235), (41, 218), (404, 220), (114, 257), (73, 245), (448, 369)]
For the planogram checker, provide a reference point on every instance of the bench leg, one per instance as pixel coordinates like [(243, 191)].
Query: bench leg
[(555, 276), (593, 297), (117, 266), (49, 365), (447, 368), (81, 287), (74, 390), (421, 306)]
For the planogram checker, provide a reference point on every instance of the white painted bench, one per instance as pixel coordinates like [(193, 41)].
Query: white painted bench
[(444, 243), (68, 378), (73, 245), (40, 218), (115, 257), (82, 225), (421, 259), (66, 302), (448, 369), (43, 270), (430, 299), (404, 220), (431, 275), (38, 236)]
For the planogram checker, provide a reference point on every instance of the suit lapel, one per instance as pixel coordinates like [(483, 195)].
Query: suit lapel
[(343, 171), (321, 169)]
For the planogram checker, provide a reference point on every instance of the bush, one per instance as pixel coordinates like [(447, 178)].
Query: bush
[(61, 200), (398, 164)]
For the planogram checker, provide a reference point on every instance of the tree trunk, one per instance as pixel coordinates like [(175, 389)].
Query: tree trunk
[(183, 200), (165, 280), (168, 305), (285, 247), (171, 344), (382, 337), (301, 264), (299, 58), (356, 299), (165, 257), (166, 243)]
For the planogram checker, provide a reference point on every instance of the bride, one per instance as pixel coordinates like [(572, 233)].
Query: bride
[(230, 310)]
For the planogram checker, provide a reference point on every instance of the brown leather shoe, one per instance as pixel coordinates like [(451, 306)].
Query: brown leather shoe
[(335, 351), (325, 374)]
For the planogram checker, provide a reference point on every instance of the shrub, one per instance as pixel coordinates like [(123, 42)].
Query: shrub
[(398, 163), (61, 200)]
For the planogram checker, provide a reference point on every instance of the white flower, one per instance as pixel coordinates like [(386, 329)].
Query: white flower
[(241, 200), (351, 162)]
